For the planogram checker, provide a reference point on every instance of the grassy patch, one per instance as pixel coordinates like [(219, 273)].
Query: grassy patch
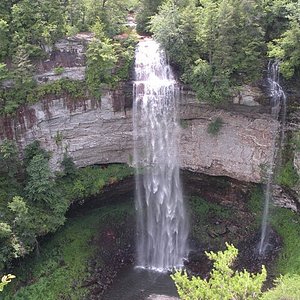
[(207, 209), (61, 268), (204, 215), (287, 175), (256, 206), (287, 224)]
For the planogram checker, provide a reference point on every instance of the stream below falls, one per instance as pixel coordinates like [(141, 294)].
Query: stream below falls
[(137, 284)]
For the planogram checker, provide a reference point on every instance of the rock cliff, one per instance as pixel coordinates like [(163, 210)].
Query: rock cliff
[(94, 133)]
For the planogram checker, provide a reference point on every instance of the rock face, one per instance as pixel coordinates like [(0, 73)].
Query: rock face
[(95, 133), (239, 150), (91, 132), (248, 95)]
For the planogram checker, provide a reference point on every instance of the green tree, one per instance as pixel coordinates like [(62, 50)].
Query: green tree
[(176, 29), (75, 15), (36, 24), (101, 59), (9, 160), (224, 283), (239, 43), (40, 180), (4, 37), (215, 45), (148, 8)]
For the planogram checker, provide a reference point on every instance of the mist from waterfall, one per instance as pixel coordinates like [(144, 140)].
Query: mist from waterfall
[(278, 106), (162, 224)]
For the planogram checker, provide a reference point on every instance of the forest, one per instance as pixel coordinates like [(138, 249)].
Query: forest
[(214, 46)]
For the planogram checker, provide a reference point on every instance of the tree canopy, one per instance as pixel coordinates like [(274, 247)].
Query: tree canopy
[(218, 45)]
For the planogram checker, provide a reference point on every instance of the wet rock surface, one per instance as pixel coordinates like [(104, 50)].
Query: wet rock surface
[(161, 297)]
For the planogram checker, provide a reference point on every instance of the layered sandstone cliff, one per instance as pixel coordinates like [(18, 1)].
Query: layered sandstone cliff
[(94, 132)]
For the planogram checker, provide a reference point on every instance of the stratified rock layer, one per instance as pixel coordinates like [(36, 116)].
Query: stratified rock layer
[(94, 133)]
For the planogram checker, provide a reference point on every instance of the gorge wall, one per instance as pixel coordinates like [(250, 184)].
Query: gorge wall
[(93, 132), (100, 132)]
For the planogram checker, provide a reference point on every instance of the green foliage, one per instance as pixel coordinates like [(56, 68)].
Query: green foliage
[(224, 283), (286, 287), (215, 46), (125, 53), (202, 213), (4, 37), (255, 204), (147, 9), (9, 160), (60, 271), (287, 224), (209, 85), (36, 24), (112, 14), (5, 230), (175, 28), (184, 124), (33, 150), (40, 181), (68, 166), (59, 70), (58, 138), (5, 280), (287, 175), (101, 59), (89, 181), (286, 46), (215, 126), (295, 141), (208, 209), (63, 87)]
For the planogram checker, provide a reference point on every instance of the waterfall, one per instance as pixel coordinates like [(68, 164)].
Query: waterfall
[(278, 105), (162, 226)]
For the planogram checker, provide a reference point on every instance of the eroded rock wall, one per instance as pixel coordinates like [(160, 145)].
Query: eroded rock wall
[(94, 133)]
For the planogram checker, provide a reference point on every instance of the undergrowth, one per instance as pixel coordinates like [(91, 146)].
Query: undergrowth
[(61, 268), (287, 224)]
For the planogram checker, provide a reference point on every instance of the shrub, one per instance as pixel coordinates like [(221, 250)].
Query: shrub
[(59, 70), (224, 283), (287, 288), (287, 175), (215, 126)]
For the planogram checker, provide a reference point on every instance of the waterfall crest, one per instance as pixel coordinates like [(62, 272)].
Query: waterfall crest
[(162, 226)]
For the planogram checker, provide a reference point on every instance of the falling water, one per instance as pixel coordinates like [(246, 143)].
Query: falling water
[(278, 104), (162, 226)]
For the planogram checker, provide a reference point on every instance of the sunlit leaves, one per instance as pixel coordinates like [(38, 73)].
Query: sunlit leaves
[(224, 283)]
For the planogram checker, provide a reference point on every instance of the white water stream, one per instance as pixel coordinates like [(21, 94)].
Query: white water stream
[(162, 226), (278, 104)]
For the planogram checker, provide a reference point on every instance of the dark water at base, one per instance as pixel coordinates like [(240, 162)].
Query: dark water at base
[(139, 284)]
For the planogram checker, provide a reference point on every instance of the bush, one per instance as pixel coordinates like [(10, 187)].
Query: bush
[(287, 288), (224, 283), (288, 175), (59, 70), (215, 126)]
